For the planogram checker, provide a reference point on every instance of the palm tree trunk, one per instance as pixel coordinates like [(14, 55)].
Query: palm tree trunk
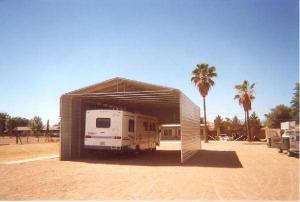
[(245, 122), (248, 128), (205, 127)]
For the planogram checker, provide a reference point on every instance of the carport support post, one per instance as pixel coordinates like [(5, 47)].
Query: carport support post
[(70, 127)]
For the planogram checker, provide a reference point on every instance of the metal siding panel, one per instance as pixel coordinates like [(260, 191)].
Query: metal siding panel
[(76, 128), (190, 128), (66, 124)]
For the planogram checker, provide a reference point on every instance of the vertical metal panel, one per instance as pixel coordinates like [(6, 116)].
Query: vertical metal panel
[(66, 127), (190, 128), (76, 128), (70, 144)]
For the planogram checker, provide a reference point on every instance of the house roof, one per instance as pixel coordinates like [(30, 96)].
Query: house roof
[(22, 128), (51, 127)]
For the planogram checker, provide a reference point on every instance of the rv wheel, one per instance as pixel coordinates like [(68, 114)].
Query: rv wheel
[(137, 150)]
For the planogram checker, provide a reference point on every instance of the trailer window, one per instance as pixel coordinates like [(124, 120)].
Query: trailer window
[(131, 125), (165, 132), (103, 122)]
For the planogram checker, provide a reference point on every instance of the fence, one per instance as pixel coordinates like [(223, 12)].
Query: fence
[(7, 140)]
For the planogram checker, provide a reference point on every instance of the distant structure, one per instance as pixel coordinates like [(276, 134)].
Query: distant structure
[(54, 128), (170, 132), (23, 130)]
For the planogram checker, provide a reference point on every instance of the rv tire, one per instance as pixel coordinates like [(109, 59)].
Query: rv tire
[(137, 151)]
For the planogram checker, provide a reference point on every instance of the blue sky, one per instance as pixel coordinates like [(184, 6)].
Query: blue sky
[(49, 47)]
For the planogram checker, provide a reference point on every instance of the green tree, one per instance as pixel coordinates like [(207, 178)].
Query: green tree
[(245, 96), (218, 124), (47, 130), (255, 124), (10, 125), (228, 125), (295, 103), (236, 124), (3, 118), (21, 121), (218, 121), (202, 77), (254, 121), (280, 113), (36, 126)]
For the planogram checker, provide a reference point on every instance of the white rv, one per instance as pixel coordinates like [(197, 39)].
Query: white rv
[(120, 130)]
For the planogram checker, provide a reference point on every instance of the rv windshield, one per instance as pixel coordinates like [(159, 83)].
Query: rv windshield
[(103, 122)]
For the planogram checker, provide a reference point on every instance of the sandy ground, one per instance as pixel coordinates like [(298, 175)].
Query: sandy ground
[(17, 152), (222, 171)]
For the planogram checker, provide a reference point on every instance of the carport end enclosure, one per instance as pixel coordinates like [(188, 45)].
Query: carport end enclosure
[(169, 105)]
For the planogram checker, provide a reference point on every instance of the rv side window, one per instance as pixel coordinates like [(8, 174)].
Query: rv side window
[(146, 126), (151, 126), (103, 122), (154, 127), (131, 125)]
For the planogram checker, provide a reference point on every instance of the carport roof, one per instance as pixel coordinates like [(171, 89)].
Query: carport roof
[(120, 91)]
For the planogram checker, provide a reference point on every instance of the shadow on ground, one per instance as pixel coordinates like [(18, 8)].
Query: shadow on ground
[(204, 158)]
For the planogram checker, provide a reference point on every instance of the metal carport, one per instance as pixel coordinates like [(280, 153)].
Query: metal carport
[(169, 105)]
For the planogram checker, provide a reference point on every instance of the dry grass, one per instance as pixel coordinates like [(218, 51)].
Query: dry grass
[(222, 171), (5, 140), (16, 152)]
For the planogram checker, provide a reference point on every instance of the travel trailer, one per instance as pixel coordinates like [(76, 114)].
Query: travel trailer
[(293, 136), (120, 130)]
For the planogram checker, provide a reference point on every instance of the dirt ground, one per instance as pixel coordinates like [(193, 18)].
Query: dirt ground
[(221, 171)]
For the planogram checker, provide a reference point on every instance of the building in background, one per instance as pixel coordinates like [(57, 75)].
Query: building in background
[(170, 132)]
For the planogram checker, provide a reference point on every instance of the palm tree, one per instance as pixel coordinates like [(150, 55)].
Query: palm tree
[(202, 77), (245, 95)]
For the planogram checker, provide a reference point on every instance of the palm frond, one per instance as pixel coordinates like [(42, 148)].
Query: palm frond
[(237, 97)]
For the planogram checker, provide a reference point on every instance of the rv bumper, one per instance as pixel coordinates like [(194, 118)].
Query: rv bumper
[(106, 148)]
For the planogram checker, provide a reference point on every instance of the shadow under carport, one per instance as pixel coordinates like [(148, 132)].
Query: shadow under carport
[(204, 158)]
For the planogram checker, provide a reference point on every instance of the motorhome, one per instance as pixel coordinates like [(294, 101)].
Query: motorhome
[(120, 130)]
